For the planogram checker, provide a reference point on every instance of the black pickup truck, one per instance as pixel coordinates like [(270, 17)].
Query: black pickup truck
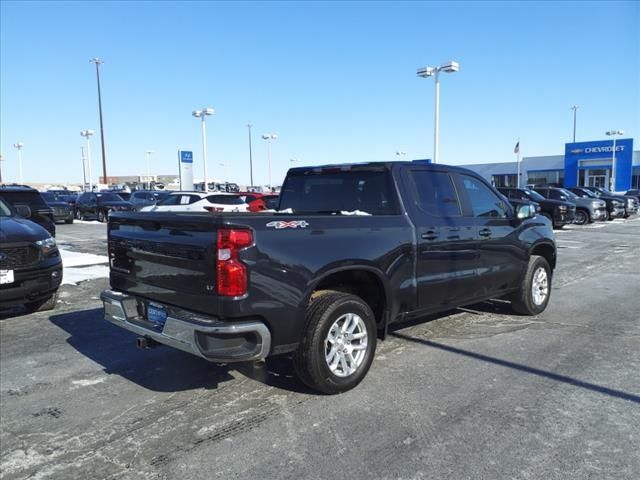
[(352, 249)]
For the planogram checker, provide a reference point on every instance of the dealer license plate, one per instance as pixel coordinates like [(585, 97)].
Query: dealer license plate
[(156, 314), (6, 277)]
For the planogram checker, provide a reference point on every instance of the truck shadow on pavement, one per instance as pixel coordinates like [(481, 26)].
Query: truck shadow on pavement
[(162, 369), (520, 367)]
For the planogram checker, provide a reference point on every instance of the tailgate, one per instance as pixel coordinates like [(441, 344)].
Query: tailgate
[(170, 258)]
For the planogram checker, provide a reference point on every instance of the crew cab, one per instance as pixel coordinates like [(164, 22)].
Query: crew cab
[(559, 212), (352, 250), (30, 263)]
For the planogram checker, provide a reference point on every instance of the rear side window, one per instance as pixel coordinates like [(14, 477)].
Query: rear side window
[(484, 203), (328, 190), (435, 193), (225, 199)]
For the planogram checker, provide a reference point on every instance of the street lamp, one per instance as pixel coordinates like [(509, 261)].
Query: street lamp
[(575, 110), (269, 137), (149, 152), (19, 146), (426, 72), (612, 180), (87, 134), (99, 62), (202, 114), (250, 155)]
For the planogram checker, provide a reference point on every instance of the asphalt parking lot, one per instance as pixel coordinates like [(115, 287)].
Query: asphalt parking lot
[(475, 393)]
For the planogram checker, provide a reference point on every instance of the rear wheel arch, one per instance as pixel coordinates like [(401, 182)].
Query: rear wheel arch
[(365, 282)]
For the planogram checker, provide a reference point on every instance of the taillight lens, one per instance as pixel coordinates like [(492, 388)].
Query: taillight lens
[(232, 273)]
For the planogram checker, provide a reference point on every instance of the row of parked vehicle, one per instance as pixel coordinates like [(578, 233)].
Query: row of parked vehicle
[(57, 206), (579, 205)]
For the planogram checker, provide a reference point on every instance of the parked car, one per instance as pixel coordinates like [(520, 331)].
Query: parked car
[(559, 212), (633, 193), (587, 209), (30, 263), (615, 207), (630, 202), (199, 202), (40, 212), (99, 205), (66, 196), (366, 245), (259, 201), (147, 198), (62, 212)]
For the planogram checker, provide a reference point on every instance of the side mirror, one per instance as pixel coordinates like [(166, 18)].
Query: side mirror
[(524, 211), (23, 211)]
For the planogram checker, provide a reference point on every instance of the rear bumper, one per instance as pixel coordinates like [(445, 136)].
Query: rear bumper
[(211, 339)]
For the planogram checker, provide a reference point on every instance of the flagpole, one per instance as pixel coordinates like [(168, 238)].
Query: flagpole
[(518, 161)]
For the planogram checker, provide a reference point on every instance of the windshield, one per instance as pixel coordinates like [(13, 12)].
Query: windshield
[(568, 193), (335, 189), (535, 196), (5, 211), (108, 197)]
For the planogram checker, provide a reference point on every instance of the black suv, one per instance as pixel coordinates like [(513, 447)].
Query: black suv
[(62, 212), (30, 263), (41, 213), (559, 212), (99, 205)]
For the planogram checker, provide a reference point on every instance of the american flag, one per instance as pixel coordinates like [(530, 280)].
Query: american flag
[(517, 148)]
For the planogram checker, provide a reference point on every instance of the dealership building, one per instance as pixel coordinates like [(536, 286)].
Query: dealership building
[(583, 164)]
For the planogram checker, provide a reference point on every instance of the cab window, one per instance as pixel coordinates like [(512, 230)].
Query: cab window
[(483, 202)]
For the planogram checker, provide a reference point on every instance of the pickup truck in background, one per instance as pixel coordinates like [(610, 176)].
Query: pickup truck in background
[(353, 249)]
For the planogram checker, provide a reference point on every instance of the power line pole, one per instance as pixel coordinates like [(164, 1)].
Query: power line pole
[(250, 154), (99, 62)]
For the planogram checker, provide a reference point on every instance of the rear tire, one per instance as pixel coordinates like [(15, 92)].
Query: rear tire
[(339, 342), (43, 305), (535, 291), (101, 216)]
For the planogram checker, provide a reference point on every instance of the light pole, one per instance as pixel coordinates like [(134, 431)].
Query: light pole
[(19, 146), (426, 72), (612, 180), (149, 152), (269, 137), (250, 154), (575, 109), (202, 114), (87, 134), (84, 173), (99, 62)]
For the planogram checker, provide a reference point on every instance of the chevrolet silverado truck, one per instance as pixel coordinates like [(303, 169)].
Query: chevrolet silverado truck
[(351, 250)]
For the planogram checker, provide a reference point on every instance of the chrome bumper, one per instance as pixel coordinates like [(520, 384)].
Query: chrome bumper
[(215, 341)]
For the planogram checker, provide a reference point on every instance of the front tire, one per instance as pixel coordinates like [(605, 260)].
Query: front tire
[(535, 291), (582, 217), (339, 342)]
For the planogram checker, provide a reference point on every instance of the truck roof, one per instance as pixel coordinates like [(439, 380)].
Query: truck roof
[(378, 165)]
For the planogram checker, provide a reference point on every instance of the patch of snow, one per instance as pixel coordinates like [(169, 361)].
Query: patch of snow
[(71, 276), (77, 259), (86, 383)]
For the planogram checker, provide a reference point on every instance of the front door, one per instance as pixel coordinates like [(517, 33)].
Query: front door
[(446, 260), (501, 259), (598, 178)]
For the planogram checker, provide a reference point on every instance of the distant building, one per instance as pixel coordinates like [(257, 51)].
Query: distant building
[(583, 164)]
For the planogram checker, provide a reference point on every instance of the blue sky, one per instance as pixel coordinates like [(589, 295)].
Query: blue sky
[(335, 80)]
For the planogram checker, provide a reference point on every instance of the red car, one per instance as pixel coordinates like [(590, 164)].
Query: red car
[(260, 201)]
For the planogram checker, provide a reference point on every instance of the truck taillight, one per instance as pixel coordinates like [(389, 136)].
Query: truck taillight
[(232, 273)]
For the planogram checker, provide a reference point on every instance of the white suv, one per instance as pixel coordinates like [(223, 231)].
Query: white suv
[(199, 202)]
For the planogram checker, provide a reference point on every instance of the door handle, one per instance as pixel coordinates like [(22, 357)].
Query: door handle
[(429, 235), (485, 232)]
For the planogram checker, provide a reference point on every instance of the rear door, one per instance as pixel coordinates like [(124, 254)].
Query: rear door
[(501, 259), (446, 260)]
